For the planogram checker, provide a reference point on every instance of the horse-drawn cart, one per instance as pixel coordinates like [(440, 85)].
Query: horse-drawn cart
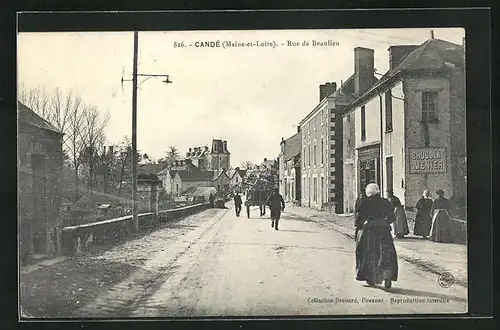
[(257, 195)]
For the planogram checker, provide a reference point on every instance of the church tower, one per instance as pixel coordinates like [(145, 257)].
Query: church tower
[(219, 157)]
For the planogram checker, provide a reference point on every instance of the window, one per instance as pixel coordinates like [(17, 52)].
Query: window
[(388, 111), (315, 189), (322, 151), (304, 159), (314, 155), (309, 155), (429, 106), (363, 124), (321, 188), (389, 173)]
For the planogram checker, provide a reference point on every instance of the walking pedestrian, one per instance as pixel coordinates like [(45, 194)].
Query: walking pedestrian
[(276, 205), (211, 199), (237, 204), (441, 221), (401, 224), (376, 258), (423, 219)]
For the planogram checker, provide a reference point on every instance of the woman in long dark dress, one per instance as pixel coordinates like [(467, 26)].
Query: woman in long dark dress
[(423, 220), (401, 224), (376, 258), (441, 222)]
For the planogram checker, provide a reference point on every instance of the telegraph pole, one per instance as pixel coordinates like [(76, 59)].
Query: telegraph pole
[(135, 214), (135, 217)]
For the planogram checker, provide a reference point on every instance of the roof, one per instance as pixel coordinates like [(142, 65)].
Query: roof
[(197, 152), (431, 55), (165, 171), (268, 162), (148, 168), (232, 173), (194, 175), (29, 117), (217, 174), (292, 146)]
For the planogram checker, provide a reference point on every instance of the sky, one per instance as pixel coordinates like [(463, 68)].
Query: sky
[(251, 97)]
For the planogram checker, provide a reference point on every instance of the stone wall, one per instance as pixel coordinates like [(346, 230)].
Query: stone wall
[(89, 237)]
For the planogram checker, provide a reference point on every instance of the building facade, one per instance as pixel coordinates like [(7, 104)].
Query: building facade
[(219, 157), (289, 168), (198, 156), (407, 132), (322, 158), (40, 166)]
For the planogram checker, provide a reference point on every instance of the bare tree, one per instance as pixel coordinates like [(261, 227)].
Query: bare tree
[(93, 138), (124, 158), (37, 99), (73, 142)]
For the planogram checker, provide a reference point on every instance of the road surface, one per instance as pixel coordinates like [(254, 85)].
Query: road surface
[(235, 266)]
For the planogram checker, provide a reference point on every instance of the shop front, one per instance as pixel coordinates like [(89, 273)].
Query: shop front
[(368, 166)]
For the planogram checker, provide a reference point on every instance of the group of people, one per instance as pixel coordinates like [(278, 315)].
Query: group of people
[(275, 202), (432, 219), (375, 217)]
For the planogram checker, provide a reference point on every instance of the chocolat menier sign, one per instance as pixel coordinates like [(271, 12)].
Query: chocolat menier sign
[(427, 160)]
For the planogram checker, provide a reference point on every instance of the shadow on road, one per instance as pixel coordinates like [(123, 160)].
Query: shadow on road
[(59, 290), (418, 293)]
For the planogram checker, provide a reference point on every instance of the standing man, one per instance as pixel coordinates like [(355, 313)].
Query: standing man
[(237, 203), (276, 205)]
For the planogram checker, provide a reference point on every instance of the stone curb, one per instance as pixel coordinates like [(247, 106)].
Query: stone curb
[(426, 265)]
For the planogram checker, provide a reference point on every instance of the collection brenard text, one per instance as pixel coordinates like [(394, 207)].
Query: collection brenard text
[(376, 300), (225, 44)]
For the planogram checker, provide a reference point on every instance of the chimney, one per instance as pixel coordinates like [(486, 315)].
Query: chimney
[(398, 53), (298, 129), (326, 89), (224, 148), (432, 34), (363, 69), (265, 159)]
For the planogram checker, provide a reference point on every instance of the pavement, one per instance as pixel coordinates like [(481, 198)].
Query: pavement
[(438, 258), (216, 264)]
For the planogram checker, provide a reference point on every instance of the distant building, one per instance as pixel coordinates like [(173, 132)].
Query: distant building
[(220, 180), (237, 177), (420, 145), (188, 178), (289, 168), (219, 157), (40, 164), (199, 156)]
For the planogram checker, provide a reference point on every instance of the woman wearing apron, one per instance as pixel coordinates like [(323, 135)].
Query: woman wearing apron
[(441, 222)]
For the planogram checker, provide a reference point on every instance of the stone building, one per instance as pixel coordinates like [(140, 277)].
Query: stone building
[(289, 168), (40, 165), (219, 157), (198, 156), (407, 131), (322, 136)]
